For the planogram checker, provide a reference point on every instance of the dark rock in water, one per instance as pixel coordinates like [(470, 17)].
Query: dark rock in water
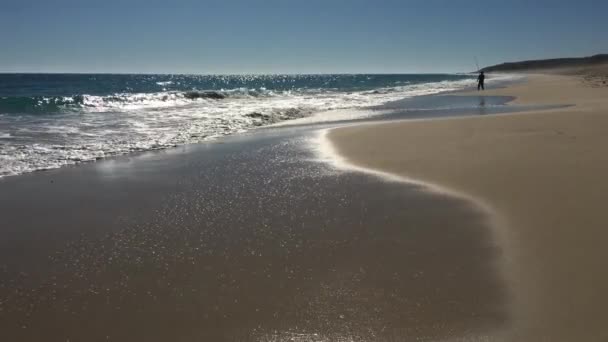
[(214, 95), (258, 115), (191, 95), (204, 95), (255, 115), (293, 113)]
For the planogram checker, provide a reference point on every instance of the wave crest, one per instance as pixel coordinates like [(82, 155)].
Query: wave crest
[(53, 133), (122, 101)]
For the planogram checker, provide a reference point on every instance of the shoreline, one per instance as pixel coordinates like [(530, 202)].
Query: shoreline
[(485, 158), (193, 241), (252, 239), (341, 116)]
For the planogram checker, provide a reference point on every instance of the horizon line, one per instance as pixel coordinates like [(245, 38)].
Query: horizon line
[(227, 74)]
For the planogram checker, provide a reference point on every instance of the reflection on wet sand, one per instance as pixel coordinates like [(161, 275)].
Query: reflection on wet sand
[(247, 241)]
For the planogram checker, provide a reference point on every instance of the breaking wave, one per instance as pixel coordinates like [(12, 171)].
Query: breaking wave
[(93, 103), (42, 130)]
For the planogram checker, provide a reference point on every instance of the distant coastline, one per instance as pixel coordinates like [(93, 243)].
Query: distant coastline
[(553, 63)]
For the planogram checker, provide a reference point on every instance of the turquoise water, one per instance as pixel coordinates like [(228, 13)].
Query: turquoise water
[(50, 120), (50, 93)]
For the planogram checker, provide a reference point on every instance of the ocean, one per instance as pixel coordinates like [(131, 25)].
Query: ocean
[(51, 120)]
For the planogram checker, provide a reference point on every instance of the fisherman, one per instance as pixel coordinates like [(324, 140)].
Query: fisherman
[(480, 81)]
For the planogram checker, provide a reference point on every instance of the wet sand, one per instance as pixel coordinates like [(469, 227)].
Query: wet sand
[(245, 240), (543, 173)]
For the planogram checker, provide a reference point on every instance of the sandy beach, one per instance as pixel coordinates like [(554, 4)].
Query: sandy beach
[(303, 171), (259, 237), (543, 174), (244, 240)]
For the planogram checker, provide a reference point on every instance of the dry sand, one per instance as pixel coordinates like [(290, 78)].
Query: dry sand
[(543, 173)]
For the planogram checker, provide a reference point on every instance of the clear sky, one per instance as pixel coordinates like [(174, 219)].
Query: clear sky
[(307, 36)]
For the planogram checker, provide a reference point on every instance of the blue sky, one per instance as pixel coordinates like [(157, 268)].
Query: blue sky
[(312, 36)]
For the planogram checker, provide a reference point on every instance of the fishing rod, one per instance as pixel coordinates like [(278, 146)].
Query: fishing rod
[(477, 64)]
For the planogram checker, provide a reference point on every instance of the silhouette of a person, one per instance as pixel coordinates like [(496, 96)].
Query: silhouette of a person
[(481, 81)]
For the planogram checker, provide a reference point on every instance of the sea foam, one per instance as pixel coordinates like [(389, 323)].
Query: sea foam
[(48, 130)]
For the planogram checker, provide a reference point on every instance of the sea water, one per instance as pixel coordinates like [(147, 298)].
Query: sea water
[(50, 120)]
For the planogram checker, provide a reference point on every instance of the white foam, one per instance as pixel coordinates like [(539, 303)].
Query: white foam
[(326, 152), (498, 77), (110, 125), (164, 83)]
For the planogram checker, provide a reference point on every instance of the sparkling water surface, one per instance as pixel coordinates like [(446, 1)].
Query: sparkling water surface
[(50, 120)]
